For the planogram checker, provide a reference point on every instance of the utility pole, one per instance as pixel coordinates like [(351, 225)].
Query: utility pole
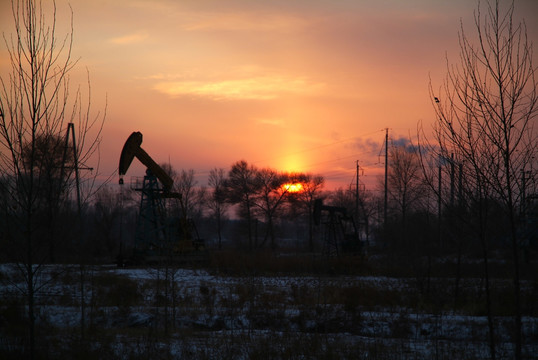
[(386, 175), (439, 204), (357, 194), (452, 176), (76, 167), (460, 186), (523, 193)]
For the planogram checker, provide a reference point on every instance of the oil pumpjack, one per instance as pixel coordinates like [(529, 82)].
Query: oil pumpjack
[(340, 232), (157, 234)]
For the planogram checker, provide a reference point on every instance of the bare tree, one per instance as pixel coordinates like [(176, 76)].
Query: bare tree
[(485, 116), (187, 206), (217, 199), (48, 158), (35, 105), (107, 210), (270, 197), (241, 187), (367, 212), (184, 184), (311, 189), (405, 185)]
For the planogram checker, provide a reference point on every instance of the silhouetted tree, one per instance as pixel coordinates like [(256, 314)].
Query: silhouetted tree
[(485, 115), (35, 107), (52, 190), (188, 206), (269, 198), (311, 189), (185, 185), (241, 188), (342, 197), (367, 211), (406, 187), (217, 203), (106, 214)]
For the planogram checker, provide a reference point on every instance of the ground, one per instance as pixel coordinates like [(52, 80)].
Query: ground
[(209, 313)]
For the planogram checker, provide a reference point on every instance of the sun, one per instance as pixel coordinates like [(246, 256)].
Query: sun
[(293, 187)]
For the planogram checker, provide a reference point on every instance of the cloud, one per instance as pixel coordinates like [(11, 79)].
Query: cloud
[(253, 88), (368, 145), (245, 21), (271, 121), (129, 39), (400, 142)]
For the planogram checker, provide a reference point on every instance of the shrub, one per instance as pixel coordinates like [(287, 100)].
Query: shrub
[(114, 290)]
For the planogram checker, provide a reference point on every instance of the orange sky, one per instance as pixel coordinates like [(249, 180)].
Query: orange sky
[(300, 85)]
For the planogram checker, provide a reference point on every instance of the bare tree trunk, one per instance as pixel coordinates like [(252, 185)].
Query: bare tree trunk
[(34, 109), (517, 290), (82, 302), (491, 323), (31, 308)]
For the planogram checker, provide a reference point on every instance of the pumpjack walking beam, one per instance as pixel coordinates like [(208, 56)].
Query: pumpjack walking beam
[(132, 149)]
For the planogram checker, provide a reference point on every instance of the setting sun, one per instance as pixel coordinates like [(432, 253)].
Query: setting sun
[(293, 188)]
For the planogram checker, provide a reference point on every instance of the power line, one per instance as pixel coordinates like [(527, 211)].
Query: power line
[(317, 147)]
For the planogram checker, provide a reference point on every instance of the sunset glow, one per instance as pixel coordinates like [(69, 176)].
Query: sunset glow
[(293, 188), (296, 86)]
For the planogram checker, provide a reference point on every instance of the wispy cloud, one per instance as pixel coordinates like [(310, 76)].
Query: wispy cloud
[(254, 88), (244, 21), (129, 39), (368, 145), (271, 121)]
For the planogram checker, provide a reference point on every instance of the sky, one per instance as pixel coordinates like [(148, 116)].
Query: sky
[(293, 85)]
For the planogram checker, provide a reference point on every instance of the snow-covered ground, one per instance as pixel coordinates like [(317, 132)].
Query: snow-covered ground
[(191, 313)]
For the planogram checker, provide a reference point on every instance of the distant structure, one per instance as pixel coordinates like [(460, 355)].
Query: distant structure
[(340, 233)]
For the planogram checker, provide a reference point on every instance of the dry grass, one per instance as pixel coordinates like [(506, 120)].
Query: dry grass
[(241, 313)]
